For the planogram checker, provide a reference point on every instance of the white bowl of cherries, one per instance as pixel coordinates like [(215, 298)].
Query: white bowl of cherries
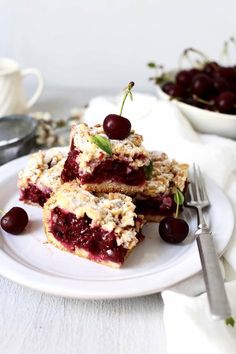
[(205, 94)]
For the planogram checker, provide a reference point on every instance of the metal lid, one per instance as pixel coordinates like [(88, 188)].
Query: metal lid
[(15, 128)]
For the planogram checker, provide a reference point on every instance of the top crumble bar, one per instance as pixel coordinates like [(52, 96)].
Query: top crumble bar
[(98, 171)]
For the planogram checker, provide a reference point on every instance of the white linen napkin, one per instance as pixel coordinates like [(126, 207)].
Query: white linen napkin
[(189, 328)]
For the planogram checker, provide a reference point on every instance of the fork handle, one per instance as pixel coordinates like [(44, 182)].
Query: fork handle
[(217, 297)]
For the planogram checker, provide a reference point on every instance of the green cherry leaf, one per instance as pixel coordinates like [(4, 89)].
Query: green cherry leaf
[(148, 170), (180, 197), (230, 321), (176, 198), (152, 65), (179, 200), (103, 143)]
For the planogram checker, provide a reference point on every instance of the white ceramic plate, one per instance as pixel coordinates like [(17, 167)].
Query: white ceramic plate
[(153, 266)]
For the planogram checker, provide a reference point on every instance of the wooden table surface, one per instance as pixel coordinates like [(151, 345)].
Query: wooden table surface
[(35, 323)]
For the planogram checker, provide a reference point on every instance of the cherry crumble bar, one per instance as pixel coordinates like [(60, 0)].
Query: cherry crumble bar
[(97, 171), (103, 229), (157, 198), (42, 175)]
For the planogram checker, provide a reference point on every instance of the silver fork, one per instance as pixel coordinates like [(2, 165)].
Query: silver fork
[(217, 298)]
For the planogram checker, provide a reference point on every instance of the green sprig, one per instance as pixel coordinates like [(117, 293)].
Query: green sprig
[(160, 76), (148, 170), (179, 200), (103, 143), (230, 321), (152, 65)]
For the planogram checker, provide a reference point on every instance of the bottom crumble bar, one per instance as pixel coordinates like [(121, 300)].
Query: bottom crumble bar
[(103, 229)]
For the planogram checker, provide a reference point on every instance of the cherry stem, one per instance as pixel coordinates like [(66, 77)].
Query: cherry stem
[(159, 70), (198, 99), (225, 50), (127, 92), (177, 206), (199, 52), (193, 50), (171, 98), (2, 212)]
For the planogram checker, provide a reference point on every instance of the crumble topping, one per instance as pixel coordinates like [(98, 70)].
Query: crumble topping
[(44, 169), (166, 175), (113, 211), (129, 149)]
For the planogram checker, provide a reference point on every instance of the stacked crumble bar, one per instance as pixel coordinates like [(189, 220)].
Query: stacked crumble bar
[(87, 193), (103, 228)]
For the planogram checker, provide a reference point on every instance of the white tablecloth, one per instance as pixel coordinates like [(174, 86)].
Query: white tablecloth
[(32, 322)]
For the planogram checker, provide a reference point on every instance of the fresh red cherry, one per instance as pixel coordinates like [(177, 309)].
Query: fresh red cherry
[(166, 86), (211, 67), (193, 72), (227, 73), (226, 102), (183, 78), (202, 85), (220, 85), (176, 91), (15, 221), (116, 127), (232, 85), (173, 230)]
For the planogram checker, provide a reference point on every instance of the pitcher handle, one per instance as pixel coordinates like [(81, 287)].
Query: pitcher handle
[(39, 88)]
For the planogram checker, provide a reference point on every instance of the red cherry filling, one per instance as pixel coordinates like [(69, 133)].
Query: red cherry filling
[(34, 195), (71, 167), (116, 127), (99, 243), (161, 205), (117, 171), (15, 221), (107, 170)]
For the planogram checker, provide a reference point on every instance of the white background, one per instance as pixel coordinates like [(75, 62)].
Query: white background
[(106, 43)]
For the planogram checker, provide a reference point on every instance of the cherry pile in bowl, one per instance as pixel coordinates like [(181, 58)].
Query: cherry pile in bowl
[(213, 87)]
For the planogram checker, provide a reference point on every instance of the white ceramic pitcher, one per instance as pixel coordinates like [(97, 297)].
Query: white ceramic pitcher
[(12, 96)]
